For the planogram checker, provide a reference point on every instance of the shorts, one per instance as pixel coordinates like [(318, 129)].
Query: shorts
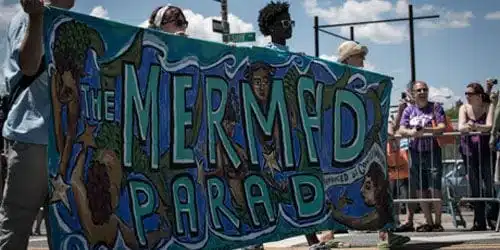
[(426, 169)]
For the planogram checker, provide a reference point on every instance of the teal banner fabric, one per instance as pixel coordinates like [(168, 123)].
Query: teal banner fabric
[(167, 142)]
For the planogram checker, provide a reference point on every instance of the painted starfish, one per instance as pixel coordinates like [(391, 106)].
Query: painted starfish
[(87, 137), (59, 193)]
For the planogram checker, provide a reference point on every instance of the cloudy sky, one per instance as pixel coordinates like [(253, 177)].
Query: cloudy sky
[(452, 51)]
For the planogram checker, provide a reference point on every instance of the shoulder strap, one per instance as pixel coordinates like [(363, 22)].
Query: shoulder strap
[(24, 83)]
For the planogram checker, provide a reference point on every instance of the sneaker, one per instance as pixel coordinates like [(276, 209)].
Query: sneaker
[(393, 241), (397, 240), (319, 246)]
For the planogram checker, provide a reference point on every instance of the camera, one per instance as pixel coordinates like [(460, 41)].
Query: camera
[(403, 95), (494, 81)]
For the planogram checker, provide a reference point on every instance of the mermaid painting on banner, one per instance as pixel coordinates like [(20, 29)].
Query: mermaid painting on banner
[(167, 142)]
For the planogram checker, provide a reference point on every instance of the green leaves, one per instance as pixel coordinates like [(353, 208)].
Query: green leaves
[(112, 69)]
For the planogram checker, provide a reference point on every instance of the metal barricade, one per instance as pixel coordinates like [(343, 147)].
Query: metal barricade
[(450, 175)]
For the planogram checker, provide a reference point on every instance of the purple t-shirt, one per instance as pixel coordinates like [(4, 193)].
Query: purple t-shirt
[(414, 116)]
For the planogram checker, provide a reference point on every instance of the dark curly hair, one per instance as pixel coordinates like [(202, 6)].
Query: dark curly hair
[(98, 194), (478, 89), (72, 40), (381, 184), (268, 14)]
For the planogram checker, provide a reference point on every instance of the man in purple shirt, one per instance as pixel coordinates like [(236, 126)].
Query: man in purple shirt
[(426, 163)]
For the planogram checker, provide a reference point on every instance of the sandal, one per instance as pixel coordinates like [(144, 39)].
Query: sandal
[(437, 228), (407, 227), (425, 228)]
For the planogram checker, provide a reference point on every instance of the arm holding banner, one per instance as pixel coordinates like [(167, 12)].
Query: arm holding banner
[(31, 49)]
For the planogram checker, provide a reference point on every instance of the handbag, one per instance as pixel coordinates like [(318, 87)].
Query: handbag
[(446, 139)]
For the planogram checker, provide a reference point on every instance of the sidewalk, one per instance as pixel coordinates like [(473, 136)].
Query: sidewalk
[(368, 240)]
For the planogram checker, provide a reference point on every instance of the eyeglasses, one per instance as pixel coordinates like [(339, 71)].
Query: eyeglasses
[(470, 94), (287, 23), (422, 90)]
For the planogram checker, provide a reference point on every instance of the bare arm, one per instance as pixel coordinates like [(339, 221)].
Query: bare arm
[(390, 129), (403, 122), (31, 50), (462, 121), (438, 129)]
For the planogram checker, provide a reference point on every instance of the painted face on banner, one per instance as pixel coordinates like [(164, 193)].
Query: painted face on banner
[(368, 191), (261, 84)]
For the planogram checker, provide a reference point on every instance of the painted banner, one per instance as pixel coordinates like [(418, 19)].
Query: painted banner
[(166, 142)]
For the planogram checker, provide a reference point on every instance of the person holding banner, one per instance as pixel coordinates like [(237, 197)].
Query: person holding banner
[(275, 21), (27, 123), (169, 19), (354, 54)]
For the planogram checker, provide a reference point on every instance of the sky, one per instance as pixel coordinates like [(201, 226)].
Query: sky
[(450, 52)]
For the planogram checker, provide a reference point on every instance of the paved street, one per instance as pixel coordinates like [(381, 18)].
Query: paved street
[(452, 238)]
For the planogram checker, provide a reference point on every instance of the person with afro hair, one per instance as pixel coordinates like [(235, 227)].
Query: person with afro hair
[(275, 21)]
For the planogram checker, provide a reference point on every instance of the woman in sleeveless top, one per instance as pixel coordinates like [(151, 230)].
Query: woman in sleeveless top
[(477, 115)]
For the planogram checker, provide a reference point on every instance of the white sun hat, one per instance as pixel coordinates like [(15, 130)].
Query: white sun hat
[(350, 48)]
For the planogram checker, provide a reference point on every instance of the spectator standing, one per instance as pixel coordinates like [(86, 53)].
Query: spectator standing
[(354, 54), (425, 153), (398, 165), (477, 115)]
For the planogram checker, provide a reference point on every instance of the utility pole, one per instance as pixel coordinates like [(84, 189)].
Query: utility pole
[(225, 23), (412, 43)]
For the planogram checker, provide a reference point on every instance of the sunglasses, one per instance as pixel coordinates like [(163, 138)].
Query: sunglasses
[(422, 90), (179, 23), (287, 23), (470, 94)]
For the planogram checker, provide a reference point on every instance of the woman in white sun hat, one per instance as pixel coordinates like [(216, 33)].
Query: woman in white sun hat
[(353, 54)]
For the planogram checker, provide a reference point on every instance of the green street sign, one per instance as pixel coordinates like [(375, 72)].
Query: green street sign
[(239, 37)]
